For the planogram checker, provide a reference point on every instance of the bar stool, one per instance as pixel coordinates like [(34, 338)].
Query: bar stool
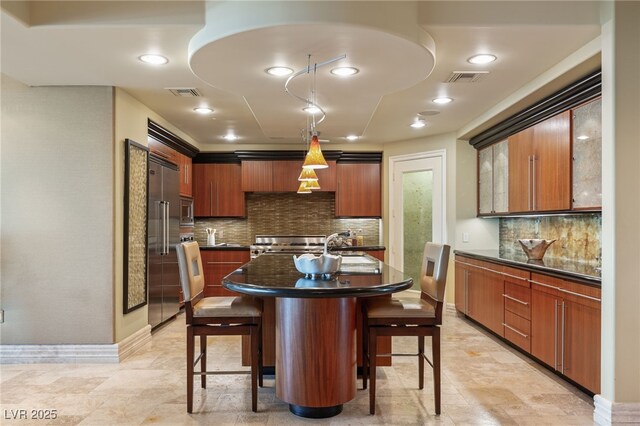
[(216, 316), (409, 316)]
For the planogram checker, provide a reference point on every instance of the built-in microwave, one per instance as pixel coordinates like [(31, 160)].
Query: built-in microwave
[(186, 211)]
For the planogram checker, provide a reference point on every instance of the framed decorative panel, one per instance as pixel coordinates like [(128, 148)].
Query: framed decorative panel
[(136, 195)]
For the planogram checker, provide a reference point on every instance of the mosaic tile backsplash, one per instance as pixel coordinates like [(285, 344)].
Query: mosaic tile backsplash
[(579, 236), (286, 214)]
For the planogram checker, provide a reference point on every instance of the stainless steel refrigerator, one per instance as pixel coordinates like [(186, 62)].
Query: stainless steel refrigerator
[(164, 234)]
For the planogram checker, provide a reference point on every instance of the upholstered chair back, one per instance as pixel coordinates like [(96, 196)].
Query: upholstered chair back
[(191, 272), (433, 275)]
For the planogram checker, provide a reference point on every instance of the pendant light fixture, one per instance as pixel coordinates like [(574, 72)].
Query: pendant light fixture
[(303, 189), (314, 158), (308, 175), (313, 184)]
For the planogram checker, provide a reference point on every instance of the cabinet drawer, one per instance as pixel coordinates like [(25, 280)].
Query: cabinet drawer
[(517, 299), (517, 330), (516, 276)]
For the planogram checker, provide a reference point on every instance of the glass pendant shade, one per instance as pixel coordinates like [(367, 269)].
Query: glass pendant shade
[(313, 184), (314, 158), (308, 175), (303, 188)]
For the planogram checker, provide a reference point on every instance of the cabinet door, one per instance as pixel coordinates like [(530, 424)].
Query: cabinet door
[(257, 176), (460, 286), (217, 264), (520, 153), (186, 181), (485, 302), (285, 175), (501, 177), (378, 254), (327, 177), (358, 191), (485, 180), (581, 350), (551, 184), (229, 200), (203, 176), (587, 156), (544, 327)]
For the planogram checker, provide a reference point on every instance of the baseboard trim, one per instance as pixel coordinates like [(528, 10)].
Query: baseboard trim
[(615, 413), (80, 354)]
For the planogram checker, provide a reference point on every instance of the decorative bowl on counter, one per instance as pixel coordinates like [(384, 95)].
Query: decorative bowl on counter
[(315, 267), (535, 248)]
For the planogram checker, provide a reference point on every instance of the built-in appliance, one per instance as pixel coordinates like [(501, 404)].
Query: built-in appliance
[(186, 237), (186, 211), (294, 244), (164, 233)]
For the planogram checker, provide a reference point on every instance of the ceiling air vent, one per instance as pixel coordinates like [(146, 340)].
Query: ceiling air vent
[(187, 92), (465, 76)]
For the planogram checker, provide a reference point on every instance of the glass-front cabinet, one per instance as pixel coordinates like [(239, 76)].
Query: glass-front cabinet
[(493, 179), (587, 156)]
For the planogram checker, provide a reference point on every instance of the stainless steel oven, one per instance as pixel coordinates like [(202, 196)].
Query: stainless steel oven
[(186, 211)]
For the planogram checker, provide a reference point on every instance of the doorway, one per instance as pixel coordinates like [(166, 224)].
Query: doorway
[(417, 208)]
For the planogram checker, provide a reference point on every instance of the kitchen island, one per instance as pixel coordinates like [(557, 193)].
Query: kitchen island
[(316, 325)]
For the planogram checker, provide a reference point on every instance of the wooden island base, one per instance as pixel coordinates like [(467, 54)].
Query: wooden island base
[(316, 354)]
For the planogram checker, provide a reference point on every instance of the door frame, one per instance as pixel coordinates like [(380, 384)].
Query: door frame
[(394, 161)]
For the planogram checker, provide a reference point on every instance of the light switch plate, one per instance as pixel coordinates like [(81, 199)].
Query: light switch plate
[(465, 237)]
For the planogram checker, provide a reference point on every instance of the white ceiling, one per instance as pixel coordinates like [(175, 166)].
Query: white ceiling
[(405, 51)]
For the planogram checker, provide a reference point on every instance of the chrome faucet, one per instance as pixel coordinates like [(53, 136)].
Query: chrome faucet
[(334, 236)]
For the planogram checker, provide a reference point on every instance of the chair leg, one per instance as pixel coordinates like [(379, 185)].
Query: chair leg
[(420, 362), (365, 350), (203, 361), (254, 368), (190, 345), (436, 367), (373, 353), (260, 373)]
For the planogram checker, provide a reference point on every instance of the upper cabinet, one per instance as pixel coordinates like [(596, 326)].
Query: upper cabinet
[(217, 191), (186, 179), (540, 166), (587, 156), (493, 179), (282, 176), (163, 151), (358, 190)]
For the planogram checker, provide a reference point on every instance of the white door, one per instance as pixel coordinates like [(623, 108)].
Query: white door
[(417, 208)]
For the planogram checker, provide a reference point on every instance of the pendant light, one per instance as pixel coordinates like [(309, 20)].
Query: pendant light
[(314, 158), (303, 189), (308, 175), (313, 184)]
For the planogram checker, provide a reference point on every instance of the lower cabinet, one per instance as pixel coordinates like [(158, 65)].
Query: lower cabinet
[(555, 320), (217, 264)]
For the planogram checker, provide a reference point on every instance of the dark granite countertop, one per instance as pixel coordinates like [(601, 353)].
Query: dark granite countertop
[(232, 246), (275, 275), (225, 246), (348, 248), (557, 267)]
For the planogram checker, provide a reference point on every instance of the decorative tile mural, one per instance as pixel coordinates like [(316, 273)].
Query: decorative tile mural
[(579, 236), (287, 214)]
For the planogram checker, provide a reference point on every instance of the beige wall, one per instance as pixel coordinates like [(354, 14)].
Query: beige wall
[(130, 123), (57, 214), (621, 203)]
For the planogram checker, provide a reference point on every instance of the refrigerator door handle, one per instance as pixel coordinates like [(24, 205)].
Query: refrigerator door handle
[(163, 226), (166, 224)]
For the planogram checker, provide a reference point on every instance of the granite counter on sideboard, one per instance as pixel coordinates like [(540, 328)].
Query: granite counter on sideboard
[(570, 269)]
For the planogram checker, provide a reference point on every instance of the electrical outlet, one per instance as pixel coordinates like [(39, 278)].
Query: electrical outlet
[(465, 237)]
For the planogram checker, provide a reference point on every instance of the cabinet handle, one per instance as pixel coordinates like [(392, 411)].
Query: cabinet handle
[(562, 341), (186, 175), (514, 299), (514, 276), (533, 157), (466, 292), (211, 198), (217, 200), (555, 336), (529, 184), (579, 295), (162, 154), (515, 331), (545, 285)]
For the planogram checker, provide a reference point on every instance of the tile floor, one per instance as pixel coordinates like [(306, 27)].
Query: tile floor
[(483, 382)]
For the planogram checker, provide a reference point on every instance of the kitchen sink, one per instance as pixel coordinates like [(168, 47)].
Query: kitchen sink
[(351, 260), (227, 245)]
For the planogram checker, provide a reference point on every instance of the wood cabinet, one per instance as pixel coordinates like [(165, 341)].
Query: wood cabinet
[(358, 192), (565, 328), (217, 192), (378, 254), (217, 264), (587, 156), (282, 176), (186, 179), (493, 179), (539, 166), (163, 151)]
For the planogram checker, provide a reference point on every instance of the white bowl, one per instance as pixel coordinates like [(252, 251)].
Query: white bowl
[(322, 266)]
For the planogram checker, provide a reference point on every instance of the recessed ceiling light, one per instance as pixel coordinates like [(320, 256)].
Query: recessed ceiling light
[(442, 100), (483, 58), (153, 59), (428, 113), (352, 137), (418, 124), (311, 109), (230, 137), (203, 110), (279, 71), (583, 137), (345, 71)]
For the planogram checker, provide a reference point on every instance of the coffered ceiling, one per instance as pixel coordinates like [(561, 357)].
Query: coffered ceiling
[(405, 51)]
